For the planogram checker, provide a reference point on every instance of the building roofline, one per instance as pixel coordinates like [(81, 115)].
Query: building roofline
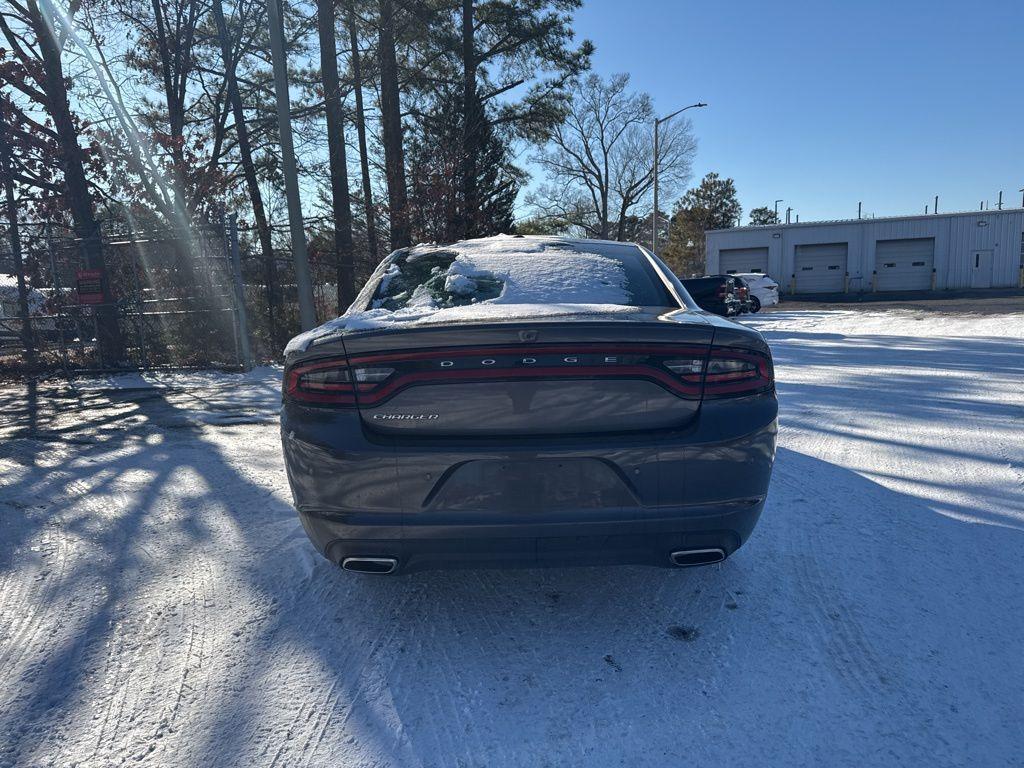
[(865, 220)]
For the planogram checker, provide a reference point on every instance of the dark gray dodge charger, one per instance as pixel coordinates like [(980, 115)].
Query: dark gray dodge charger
[(527, 400)]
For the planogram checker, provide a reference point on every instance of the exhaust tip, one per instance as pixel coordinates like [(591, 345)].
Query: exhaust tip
[(380, 565), (688, 557)]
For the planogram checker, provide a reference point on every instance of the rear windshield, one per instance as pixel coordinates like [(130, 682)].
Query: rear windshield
[(509, 270)]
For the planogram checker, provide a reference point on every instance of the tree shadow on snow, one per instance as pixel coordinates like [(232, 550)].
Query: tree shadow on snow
[(829, 613), (852, 603)]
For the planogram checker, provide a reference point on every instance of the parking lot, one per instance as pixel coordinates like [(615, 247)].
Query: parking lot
[(160, 603)]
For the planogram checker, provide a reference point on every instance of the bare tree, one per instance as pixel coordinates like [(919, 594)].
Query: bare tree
[(600, 160)]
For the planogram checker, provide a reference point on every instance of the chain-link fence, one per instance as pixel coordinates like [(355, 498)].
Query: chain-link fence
[(209, 297)]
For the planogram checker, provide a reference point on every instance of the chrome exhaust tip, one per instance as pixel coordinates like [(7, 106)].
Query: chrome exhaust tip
[(685, 558), (381, 565)]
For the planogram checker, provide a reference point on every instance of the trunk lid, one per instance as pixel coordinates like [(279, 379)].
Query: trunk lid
[(571, 374)]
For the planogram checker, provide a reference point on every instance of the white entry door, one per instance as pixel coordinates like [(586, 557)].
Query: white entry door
[(981, 269)]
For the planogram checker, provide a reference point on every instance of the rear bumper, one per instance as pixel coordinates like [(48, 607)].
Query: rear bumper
[(701, 487), (631, 539)]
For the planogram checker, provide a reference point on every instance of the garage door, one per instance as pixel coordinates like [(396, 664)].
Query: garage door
[(820, 268), (742, 260), (904, 265)]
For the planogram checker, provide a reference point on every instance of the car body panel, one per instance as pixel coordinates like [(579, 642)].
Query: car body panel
[(764, 287), (712, 476)]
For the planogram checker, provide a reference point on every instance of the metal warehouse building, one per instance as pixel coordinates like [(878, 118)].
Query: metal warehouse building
[(984, 249)]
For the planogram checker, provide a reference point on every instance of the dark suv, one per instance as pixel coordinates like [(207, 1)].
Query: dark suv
[(715, 294)]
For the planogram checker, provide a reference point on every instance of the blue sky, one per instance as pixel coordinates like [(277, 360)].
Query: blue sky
[(825, 104)]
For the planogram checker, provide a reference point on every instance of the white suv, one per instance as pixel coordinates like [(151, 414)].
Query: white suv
[(764, 292)]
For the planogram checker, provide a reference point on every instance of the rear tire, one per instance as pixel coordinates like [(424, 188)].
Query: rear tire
[(755, 304)]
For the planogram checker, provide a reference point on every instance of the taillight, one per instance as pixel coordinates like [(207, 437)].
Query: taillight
[(686, 367), (687, 372), (333, 381), (736, 372)]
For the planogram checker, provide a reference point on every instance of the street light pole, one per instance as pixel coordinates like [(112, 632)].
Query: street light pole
[(654, 216), (777, 209)]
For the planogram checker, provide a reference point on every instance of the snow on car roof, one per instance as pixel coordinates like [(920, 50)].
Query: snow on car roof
[(486, 278)]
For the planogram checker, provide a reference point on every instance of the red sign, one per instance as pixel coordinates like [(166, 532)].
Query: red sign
[(90, 286)]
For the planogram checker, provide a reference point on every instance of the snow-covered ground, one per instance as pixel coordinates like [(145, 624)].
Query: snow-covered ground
[(160, 603)]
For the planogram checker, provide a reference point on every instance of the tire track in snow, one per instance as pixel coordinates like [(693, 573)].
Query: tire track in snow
[(850, 653), (66, 596), (29, 599), (302, 737)]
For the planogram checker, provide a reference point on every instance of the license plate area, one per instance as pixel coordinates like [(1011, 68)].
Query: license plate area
[(531, 486)]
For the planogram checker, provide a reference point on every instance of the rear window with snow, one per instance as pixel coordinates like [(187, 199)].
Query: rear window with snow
[(509, 270)]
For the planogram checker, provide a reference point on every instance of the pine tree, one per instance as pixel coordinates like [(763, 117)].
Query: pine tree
[(712, 205), (438, 207), (763, 216)]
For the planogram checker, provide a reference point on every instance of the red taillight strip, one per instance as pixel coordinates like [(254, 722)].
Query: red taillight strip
[(577, 349), (685, 387), (582, 372), (715, 385)]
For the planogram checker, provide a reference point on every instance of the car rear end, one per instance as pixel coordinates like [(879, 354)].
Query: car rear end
[(714, 294), (581, 438), (764, 288), (742, 293)]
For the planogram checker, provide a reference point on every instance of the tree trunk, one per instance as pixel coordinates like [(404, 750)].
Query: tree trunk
[(7, 169), (78, 197), (391, 128), (175, 110), (472, 119), (248, 166), (364, 159), (620, 228), (603, 234), (340, 203)]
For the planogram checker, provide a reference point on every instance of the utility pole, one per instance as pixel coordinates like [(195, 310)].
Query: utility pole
[(304, 283), (999, 205), (777, 209), (860, 204), (788, 212), (936, 208), (654, 216)]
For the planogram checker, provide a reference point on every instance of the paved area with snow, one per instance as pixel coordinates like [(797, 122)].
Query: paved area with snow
[(159, 602)]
